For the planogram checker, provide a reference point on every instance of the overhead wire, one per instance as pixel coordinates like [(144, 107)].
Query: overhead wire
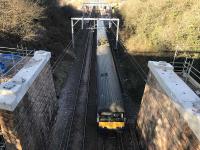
[(30, 107), (75, 104), (133, 60), (62, 55)]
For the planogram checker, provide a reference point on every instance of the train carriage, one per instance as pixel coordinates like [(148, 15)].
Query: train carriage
[(110, 103)]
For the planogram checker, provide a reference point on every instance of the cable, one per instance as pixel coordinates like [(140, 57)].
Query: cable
[(133, 60), (75, 104), (60, 58)]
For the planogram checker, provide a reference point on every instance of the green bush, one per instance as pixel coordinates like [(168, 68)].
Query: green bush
[(157, 25)]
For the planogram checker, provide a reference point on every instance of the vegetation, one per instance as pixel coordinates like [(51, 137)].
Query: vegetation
[(160, 25), (149, 25), (40, 25), (20, 18), (74, 3), (35, 24)]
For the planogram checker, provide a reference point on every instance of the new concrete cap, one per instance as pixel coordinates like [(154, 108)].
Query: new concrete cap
[(161, 64)]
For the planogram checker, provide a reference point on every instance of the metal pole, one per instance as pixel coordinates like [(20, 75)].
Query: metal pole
[(82, 11), (117, 36), (82, 23), (26, 51), (110, 24), (97, 32), (13, 61), (189, 69), (184, 66), (175, 54), (72, 25)]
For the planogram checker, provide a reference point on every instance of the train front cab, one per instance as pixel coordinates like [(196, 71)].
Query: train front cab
[(111, 120)]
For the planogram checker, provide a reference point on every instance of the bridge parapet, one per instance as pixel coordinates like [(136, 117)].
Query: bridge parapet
[(169, 117), (28, 105)]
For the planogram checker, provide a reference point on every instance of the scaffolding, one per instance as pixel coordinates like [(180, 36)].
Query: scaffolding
[(14, 59)]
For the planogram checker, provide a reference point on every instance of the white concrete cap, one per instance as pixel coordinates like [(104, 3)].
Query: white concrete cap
[(162, 65), (13, 91), (184, 98)]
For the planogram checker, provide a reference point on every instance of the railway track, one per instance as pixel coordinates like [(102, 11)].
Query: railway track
[(78, 134), (125, 140), (76, 129), (90, 141), (128, 138), (120, 142), (67, 97), (133, 61), (111, 141)]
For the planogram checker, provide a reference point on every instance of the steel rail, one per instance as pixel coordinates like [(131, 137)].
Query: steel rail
[(77, 95), (196, 69), (121, 144), (192, 73), (133, 138), (86, 103), (77, 92), (88, 87)]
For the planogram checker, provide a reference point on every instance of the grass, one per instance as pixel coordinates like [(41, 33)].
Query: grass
[(161, 25)]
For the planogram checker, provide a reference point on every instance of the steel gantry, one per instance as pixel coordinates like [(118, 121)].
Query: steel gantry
[(105, 10), (89, 7), (114, 21)]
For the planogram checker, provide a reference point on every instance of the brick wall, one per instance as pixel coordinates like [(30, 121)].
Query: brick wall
[(29, 125), (160, 126)]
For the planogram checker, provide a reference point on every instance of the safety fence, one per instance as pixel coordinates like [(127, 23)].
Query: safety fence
[(190, 74), (12, 60)]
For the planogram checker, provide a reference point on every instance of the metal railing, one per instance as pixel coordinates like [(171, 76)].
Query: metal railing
[(188, 72), (16, 65), (20, 50)]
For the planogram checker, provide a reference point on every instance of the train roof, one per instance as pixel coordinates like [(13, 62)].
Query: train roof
[(109, 91)]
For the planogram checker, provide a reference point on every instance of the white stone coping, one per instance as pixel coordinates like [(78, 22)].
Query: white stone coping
[(13, 91), (184, 98)]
